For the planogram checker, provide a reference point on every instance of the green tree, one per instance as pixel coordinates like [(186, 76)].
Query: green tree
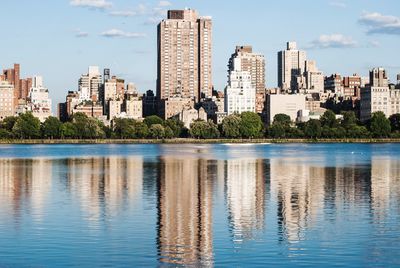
[(124, 128), (153, 120), (87, 127), (282, 119), (141, 130), (204, 130), (276, 130), (80, 121), (231, 126), (176, 126), (395, 122), (94, 129), (349, 119), (5, 134), (9, 122), (328, 119), (67, 130), (294, 132), (157, 131), (355, 131), (168, 133), (51, 128), (312, 129), (380, 125), (26, 127), (250, 125)]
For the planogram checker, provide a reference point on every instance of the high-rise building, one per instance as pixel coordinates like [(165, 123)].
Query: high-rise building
[(253, 63), (6, 99), (133, 106), (313, 78), (378, 96), (334, 84), (149, 103), (184, 56), (240, 95), (291, 64), (21, 86), (378, 78), (91, 82), (351, 85), (113, 94), (39, 101)]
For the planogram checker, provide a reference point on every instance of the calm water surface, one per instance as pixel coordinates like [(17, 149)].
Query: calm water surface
[(321, 205)]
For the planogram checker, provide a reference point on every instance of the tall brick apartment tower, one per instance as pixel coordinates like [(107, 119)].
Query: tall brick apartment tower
[(184, 56)]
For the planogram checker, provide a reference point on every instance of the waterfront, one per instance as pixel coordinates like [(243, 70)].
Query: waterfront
[(210, 205)]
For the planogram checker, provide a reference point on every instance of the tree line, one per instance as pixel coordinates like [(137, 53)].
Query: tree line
[(247, 125)]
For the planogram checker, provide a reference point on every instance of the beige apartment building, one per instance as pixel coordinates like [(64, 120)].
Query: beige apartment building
[(6, 99), (133, 107), (378, 96), (253, 63), (171, 107), (91, 83), (184, 56), (291, 64)]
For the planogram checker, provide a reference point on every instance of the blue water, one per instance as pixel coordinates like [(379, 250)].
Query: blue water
[(294, 205)]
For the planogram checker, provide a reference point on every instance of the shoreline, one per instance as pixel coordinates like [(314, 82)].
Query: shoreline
[(193, 141)]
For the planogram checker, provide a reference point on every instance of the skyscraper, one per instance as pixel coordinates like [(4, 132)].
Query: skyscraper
[(291, 64), (240, 95), (184, 56), (40, 103), (378, 78), (91, 83), (255, 64)]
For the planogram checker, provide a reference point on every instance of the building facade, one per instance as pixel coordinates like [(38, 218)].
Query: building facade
[(39, 100), (253, 63), (287, 104), (7, 107), (240, 95), (91, 82), (291, 64), (378, 78), (374, 99), (184, 56)]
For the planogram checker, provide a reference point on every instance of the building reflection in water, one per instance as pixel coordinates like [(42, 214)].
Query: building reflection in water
[(245, 194), (304, 195), (24, 186), (185, 190), (385, 187), (299, 192), (104, 186)]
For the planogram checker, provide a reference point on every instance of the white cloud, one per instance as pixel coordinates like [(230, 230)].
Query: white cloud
[(123, 13), (164, 4), (119, 33), (380, 24), (338, 4), (334, 41), (94, 4)]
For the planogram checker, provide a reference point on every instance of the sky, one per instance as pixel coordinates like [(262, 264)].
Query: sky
[(59, 39)]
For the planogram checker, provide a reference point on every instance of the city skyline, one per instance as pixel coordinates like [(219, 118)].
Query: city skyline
[(122, 35)]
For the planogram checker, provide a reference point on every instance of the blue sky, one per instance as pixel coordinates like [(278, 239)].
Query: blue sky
[(59, 39)]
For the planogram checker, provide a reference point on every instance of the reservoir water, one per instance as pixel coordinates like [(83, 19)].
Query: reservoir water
[(292, 205)]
